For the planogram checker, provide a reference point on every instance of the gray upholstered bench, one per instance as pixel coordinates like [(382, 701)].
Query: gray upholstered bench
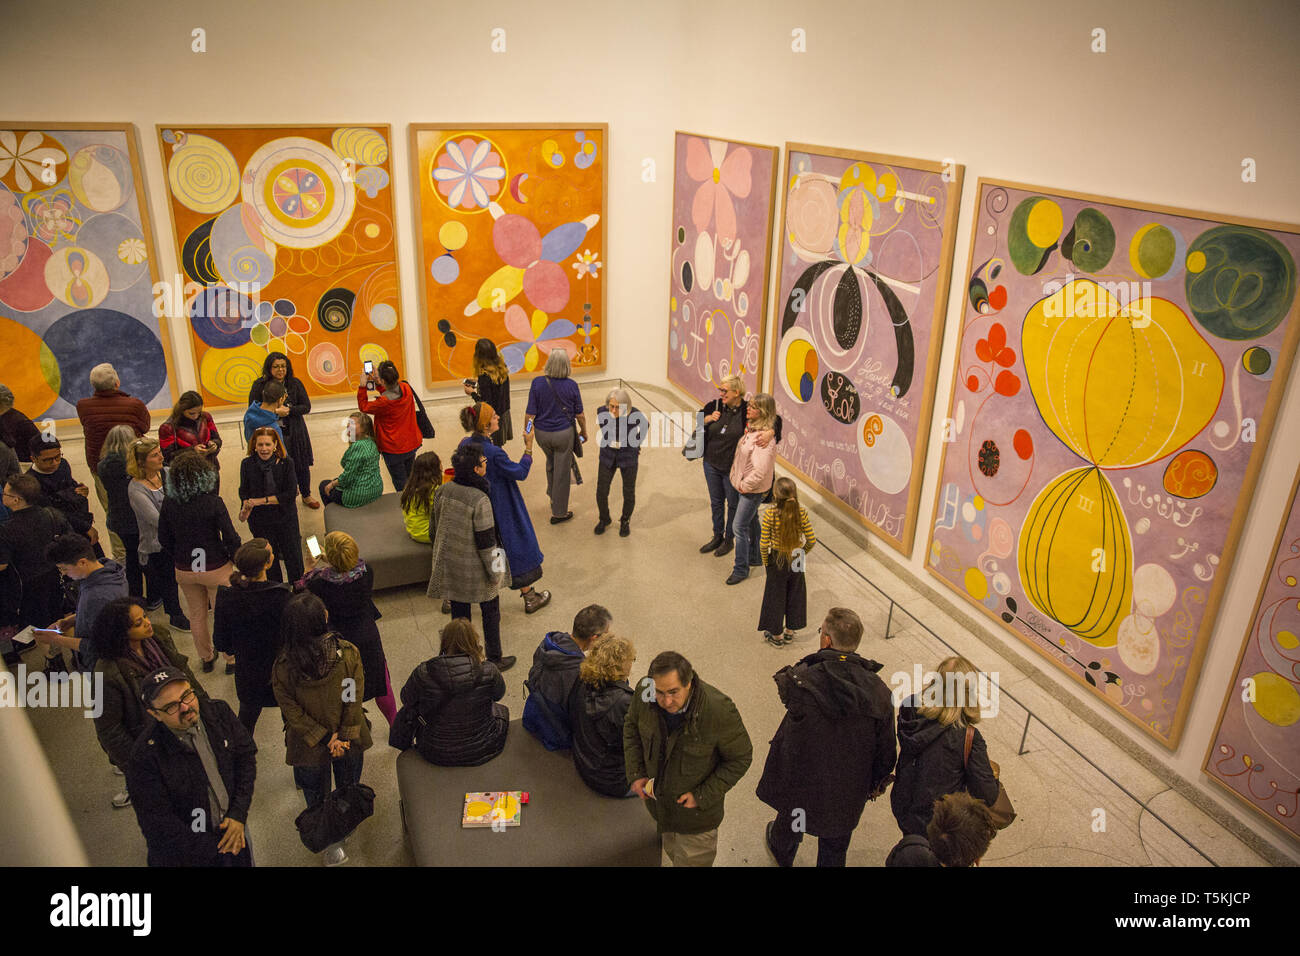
[(565, 823), (382, 541)]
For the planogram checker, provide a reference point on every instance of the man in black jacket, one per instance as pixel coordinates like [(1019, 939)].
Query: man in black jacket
[(555, 672), (191, 777), (835, 747)]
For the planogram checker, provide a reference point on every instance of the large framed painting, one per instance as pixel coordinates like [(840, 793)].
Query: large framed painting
[(285, 237), (511, 233), (724, 195), (77, 268), (1255, 753), (1118, 375), (866, 257)]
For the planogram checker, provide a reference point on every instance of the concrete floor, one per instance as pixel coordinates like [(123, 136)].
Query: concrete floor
[(664, 595)]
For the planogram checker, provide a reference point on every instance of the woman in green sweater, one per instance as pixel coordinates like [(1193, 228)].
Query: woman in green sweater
[(360, 482)]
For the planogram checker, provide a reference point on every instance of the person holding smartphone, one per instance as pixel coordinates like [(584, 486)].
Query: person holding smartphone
[(190, 427), (491, 384), (392, 403)]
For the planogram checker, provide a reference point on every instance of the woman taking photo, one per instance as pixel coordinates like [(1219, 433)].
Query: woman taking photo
[(293, 422), (468, 565), (144, 463), (555, 411), (597, 708), (514, 525), (345, 583), (397, 435), (360, 482), (129, 649), (246, 624), (190, 428), (194, 528), (752, 472), (932, 747), (121, 519), (724, 424), (268, 492), (449, 710), (493, 387), (319, 684)]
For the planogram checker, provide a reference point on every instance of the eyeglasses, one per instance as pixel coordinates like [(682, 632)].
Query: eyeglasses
[(174, 708)]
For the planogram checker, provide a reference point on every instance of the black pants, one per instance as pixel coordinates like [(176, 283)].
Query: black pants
[(285, 540), (831, 851), (335, 497), (248, 714), (42, 599), (134, 573), (605, 478), (160, 579), (785, 599), (303, 471), (491, 611)]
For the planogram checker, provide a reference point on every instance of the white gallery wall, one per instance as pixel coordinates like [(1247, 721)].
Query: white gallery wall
[(1182, 95)]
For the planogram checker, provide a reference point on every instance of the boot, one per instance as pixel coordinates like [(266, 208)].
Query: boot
[(712, 544), (535, 600), (725, 547)]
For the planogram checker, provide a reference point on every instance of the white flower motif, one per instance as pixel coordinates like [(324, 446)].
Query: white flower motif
[(27, 159), (132, 251), (587, 264)]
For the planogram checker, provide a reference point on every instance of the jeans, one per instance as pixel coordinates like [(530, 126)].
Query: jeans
[(722, 499), (605, 478), (491, 611), (831, 851), (315, 780), (399, 466), (745, 527)]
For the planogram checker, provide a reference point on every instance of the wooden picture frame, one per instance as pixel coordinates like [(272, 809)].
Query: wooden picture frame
[(889, 502), (1140, 636), (697, 300), (462, 274), (115, 246)]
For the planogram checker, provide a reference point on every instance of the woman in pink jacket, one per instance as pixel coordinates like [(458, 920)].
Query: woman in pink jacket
[(752, 471)]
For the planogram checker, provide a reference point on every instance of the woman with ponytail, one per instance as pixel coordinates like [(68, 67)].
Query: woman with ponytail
[(247, 625)]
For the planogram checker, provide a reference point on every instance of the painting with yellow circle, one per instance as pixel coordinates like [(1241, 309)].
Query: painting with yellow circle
[(493, 808), (285, 238), (1119, 370), (1256, 749)]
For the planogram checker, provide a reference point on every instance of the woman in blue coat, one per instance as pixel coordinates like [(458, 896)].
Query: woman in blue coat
[(513, 524)]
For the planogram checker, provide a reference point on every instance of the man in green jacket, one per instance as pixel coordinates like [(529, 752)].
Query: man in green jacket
[(684, 747)]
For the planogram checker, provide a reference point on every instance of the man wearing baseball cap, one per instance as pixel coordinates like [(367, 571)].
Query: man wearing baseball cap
[(191, 776)]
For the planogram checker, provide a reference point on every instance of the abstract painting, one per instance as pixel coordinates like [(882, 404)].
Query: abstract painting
[(512, 243), (866, 256), (723, 197), (285, 237), (1118, 374), (77, 268), (1256, 751)]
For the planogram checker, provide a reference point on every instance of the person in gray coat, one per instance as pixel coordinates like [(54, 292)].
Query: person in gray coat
[(469, 566)]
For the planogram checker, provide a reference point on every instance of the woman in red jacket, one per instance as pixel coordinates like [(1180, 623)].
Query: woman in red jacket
[(392, 403)]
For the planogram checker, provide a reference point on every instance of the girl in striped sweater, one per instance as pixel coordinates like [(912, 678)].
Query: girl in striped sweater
[(785, 538)]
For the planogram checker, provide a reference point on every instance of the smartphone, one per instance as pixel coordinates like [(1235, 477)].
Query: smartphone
[(528, 429), (369, 366), (469, 381), (313, 546)]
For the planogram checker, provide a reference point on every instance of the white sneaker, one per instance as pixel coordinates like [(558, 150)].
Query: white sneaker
[(121, 800), (334, 855)]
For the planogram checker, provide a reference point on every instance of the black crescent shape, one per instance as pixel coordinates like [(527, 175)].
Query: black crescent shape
[(791, 315), (902, 338), (846, 313)]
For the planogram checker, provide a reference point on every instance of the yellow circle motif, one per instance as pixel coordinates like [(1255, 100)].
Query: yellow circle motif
[(1195, 261), (278, 179), (1045, 223)]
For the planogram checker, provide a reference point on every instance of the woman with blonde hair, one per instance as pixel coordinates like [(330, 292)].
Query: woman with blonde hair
[(933, 726), (145, 465), (597, 708), (268, 496), (752, 471), (724, 421), (449, 704), (121, 519), (345, 583)]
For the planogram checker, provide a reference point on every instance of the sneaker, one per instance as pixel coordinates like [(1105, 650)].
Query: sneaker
[(725, 547), (335, 855), (446, 605), (624, 529), (179, 621), (736, 577), (503, 663), (773, 639), (601, 525), (712, 544), (787, 637), (535, 600), (121, 800)]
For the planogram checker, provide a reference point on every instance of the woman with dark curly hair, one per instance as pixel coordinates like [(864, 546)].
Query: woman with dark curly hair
[(194, 528), (293, 423)]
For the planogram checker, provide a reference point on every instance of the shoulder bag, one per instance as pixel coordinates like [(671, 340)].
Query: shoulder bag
[(1001, 810), (421, 416)]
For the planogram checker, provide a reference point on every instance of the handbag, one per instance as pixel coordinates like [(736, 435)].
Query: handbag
[(694, 447), (421, 416), (1001, 810), (336, 816), (577, 442)]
